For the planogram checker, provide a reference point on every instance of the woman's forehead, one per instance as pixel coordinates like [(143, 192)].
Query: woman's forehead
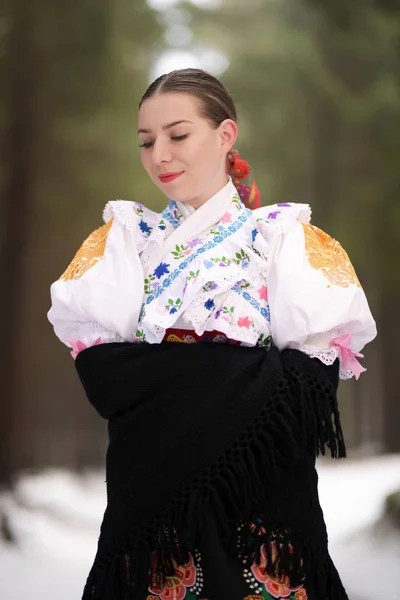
[(164, 108)]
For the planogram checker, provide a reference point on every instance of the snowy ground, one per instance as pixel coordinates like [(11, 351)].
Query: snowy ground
[(56, 517)]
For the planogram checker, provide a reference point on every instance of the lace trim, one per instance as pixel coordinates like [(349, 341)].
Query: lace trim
[(326, 356), (140, 221), (275, 219), (124, 211), (88, 333)]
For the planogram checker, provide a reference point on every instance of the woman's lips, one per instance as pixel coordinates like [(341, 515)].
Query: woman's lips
[(167, 177)]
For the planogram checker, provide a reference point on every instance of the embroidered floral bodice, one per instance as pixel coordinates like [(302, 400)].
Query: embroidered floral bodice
[(260, 277)]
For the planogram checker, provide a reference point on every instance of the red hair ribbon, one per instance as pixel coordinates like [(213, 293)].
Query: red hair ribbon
[(239, 170)]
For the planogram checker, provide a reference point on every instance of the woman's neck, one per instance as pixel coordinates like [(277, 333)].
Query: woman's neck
[(189, 207)]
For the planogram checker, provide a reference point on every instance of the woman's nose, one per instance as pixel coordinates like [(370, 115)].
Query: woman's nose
[(161, 152)]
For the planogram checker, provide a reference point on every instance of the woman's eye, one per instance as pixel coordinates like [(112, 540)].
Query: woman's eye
[(179, 138), (175, 138)]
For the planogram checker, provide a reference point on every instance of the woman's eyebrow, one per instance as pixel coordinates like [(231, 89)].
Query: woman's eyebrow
[(166, 126)]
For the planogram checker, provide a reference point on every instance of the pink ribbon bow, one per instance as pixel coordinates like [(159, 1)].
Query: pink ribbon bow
[(78, 346), (348, 356)]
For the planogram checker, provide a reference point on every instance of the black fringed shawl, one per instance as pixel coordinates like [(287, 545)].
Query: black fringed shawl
[(198, 429)]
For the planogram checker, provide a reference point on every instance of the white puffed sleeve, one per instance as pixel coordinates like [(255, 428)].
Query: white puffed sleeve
[(317, 304), (99, 296)]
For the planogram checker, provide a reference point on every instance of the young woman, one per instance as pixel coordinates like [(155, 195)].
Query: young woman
[(212, 338)]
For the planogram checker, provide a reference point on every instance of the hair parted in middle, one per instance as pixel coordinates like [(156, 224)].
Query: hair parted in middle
[(216, 103)]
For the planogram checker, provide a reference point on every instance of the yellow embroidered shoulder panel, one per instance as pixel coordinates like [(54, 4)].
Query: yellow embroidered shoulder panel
[(327, 255), (89, 254)]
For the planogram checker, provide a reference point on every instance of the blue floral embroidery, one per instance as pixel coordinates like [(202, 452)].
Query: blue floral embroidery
[(168, 214), (209, 304), (218, 239), (254, 234), (144, 227), (173, 310), (255, 304), (161, 270), (208, 264)]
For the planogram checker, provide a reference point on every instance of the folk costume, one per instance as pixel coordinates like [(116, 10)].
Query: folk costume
[(212, 341)]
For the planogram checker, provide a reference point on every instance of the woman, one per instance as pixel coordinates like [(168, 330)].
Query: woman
[(212, 488)]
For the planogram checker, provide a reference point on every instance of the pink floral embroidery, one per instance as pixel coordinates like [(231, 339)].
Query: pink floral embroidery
[(263, 293), (254, 527), (277, 587), (176, 585), (78, 346), (244, 322), (301, 595), (226, 218)]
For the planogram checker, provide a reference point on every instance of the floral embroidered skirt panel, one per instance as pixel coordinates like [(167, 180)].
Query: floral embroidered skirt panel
[(211, 574)]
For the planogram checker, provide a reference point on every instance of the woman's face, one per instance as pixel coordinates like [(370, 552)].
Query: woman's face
[(182, 152)]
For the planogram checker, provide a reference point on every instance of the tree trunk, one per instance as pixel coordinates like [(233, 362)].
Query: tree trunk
[(16, 210), (389, 331)]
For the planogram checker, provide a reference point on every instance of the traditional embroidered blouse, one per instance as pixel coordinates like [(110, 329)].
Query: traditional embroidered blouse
[(260, 277)]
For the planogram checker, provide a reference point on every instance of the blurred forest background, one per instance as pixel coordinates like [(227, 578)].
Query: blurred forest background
[(317, 87)]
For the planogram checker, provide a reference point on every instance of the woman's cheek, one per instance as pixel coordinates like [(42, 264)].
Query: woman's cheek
[(146, 161)]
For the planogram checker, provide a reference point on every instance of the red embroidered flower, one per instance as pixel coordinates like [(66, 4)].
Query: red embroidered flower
[(277, 587), (176, 585)]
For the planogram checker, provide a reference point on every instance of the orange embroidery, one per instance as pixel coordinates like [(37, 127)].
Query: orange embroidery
[(89, 254), (253, 597), (173, 338), (327, 255)]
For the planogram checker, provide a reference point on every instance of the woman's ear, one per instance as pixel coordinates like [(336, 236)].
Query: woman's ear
[(228, 131)]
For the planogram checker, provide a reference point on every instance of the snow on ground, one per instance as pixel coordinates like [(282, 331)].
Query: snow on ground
[(365, 551), (56, 518)]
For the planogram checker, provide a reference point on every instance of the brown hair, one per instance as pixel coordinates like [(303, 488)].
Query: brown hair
[(216, 103)]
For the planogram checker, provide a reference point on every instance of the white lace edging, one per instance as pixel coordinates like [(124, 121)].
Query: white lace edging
[(123, 210), (326, 356), (88, 333), (287, 215)]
